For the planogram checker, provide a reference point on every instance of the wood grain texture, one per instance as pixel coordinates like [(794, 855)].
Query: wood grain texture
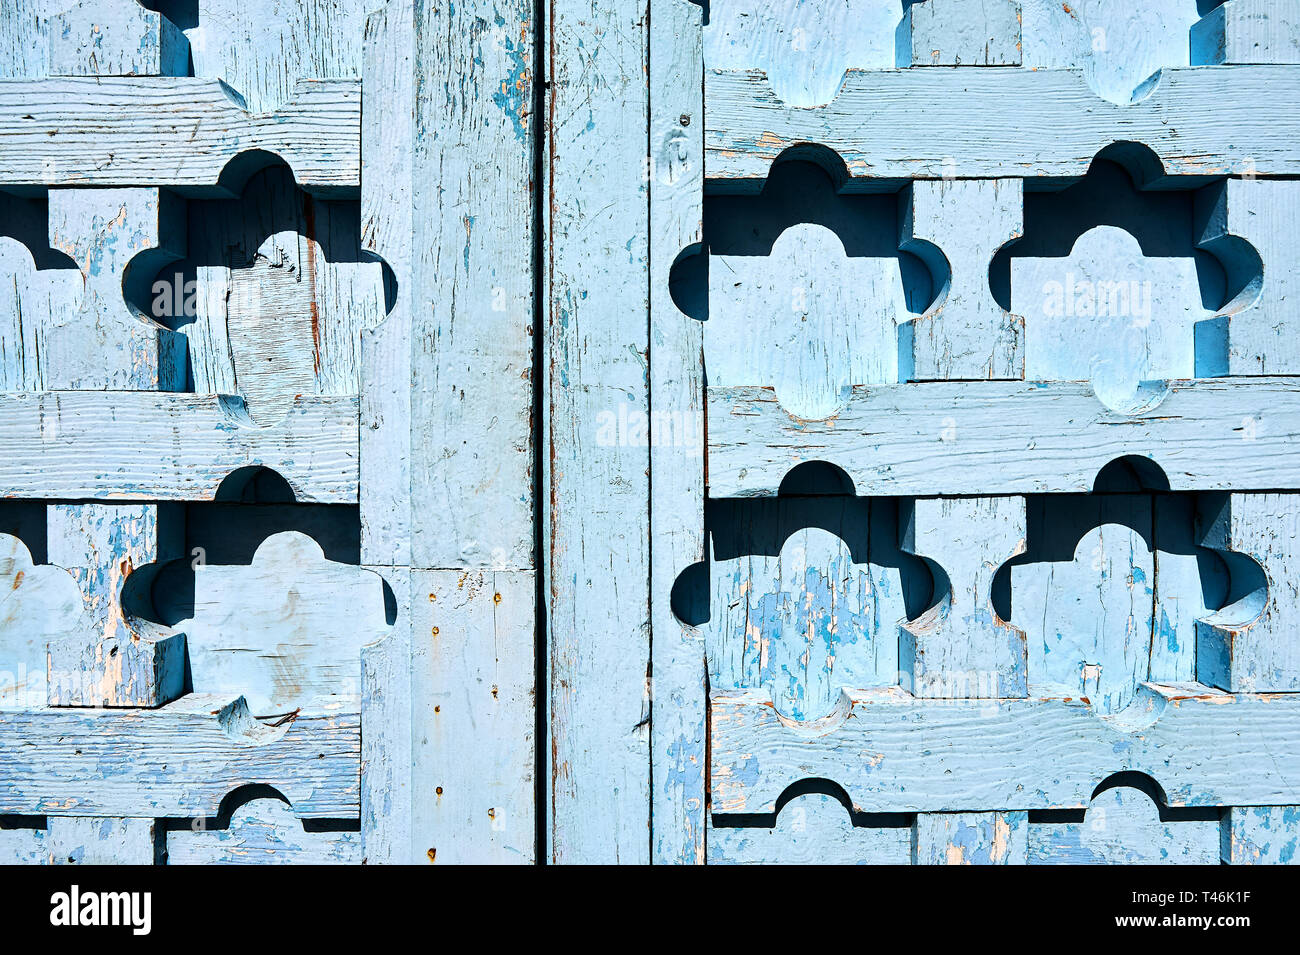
[(955, 227), (472, 537), (991, 755), (676, 403), (113, 658), (472, 648), (970, 838), (386, 743), (805, 47), (31, 299), (1119, 47), (110, 131), (262, 832), (280, 296), (170, 447), (1261, 835), (262, 51), (387, 230), (180, 760), (811, 829), (1005, 124), (598, 552), (387, 132), (960, 648), (1250, 645), (808, 320), (472, 288), (1090, 621), (284, 631), (1009, 438), (1109, 315), (107, 343), (953, 33), (88, 38), (804, 624), (95, 840), (1123, 827), (1245, 225), (39, 605), (113, 38), (1247, 31)]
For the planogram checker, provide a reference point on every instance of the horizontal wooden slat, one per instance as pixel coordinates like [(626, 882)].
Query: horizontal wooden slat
[(1010, 437), (892, 753), (1007, 123), (162, 446), (263, 832), (180, 760), (172, 131)]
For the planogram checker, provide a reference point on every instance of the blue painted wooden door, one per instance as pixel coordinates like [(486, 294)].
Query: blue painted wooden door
[(855, 431)]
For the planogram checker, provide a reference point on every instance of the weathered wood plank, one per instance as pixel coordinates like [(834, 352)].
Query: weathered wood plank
[(970, 838), (114, 38), (1090, 622), (1251, 645), (804, 624), (807, 320), (387, 230), (172, 131), (472, 288), (1010, 437), (1002, 124), (1118, 46), (1261, 835), (113, 658), (473, 648), (284, 631), (960, 648), (471, 261), (41, 38), (597, 558), (105, 343), (387, 187), (1261, 335), (805, 47), (169, 447), (811, 829), (180, 760), (96, 840), (1109, 315), (1123, 827), (262, 50), (1247, 31), (31, 298), (953, 33), (676, 434), (39, 605), (956, 226), (280, 296), (262, 832), (968, 755), (386, 740)]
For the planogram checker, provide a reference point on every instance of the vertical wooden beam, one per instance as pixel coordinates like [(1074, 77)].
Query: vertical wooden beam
[(597, 484), (471, 417), (677, 728), (387, 138)]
